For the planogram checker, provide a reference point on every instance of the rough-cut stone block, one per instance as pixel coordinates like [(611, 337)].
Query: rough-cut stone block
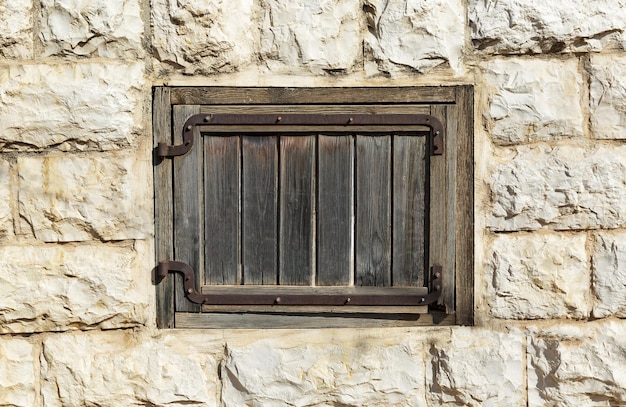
[(564, 187), (315, 35), (608, 96), (70, 107), (537, 26), (111, 28), (204, 37), (609, 274), (582, 365), (532, 100), (476, 368), (17, 373), (16, 29), (415, 36), (534, 276), (274, 373), (6, 221), (71, 198), (57, 288), (111, 369)]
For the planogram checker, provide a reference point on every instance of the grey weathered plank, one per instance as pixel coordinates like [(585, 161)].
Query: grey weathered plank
[(373, 207), (326, 109), (297, 200), (238, 95), (465, 207), (409, 197), (162, 116), (259, 210), (222, 163), (335, 221), (449, 277), (188, 208)]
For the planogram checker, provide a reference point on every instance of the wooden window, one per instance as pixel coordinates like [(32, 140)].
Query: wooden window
[(313, 207)]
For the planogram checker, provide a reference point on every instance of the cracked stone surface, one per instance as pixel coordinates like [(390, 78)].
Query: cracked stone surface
[(560, 188), (415, 36), (6, 220), (533, 100), (579, 365), (75, 198), (16, 29), (17, 372), (609, 274), (70, 106), (534, 276), (58, 288), (536, 26), (608, 96), (110, 29)]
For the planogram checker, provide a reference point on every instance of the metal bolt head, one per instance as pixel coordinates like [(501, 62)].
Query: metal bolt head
[(277, 300), (190, 290)]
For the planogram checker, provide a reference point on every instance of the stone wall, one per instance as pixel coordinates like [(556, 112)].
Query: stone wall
[(77, 319)]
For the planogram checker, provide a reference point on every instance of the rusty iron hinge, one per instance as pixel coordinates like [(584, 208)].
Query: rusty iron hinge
[(354, 298), (347, 120)]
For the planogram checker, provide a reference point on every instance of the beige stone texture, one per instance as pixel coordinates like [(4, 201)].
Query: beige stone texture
[(17, 373), (6, 220), (538, 276), (531, 100), (476, 367), (201, 37), (560, 188), (414, 36), (111, 29), (127, 368), (80, 198), (16, 29), (65, 287), (609, 274), (537, 26), (608, 96), (578, 365), (70, 106), (317, 36)]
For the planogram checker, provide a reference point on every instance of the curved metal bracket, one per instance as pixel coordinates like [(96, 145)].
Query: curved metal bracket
[(286, 298), (318, 119)]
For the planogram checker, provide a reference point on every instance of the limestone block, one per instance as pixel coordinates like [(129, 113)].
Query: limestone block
[(608, 96), (320, 35), (538, 276), (271, 373), (415, 35), (532, 100), (564, 187), (118, 369), (17, 373), (74, 198), (582, 365), (70, 107), (204, 37), (16, 29), (63, 287), (476, 368), (6, 220), (537, 26), (609, 274), (111, 29)]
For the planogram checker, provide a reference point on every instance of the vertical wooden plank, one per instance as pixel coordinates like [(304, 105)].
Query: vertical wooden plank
[(259, 205), (449, 277), (465, 207), (409, 195), (163, 207), (297, 198), (188, 208), (439, 195), (221, 209), (373, 226), (335, 211)]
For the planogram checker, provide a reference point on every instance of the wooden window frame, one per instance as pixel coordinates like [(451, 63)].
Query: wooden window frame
[(451, 239)]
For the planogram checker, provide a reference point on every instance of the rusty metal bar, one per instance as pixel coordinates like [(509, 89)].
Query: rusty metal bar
[(291, 119), (352, 298)]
